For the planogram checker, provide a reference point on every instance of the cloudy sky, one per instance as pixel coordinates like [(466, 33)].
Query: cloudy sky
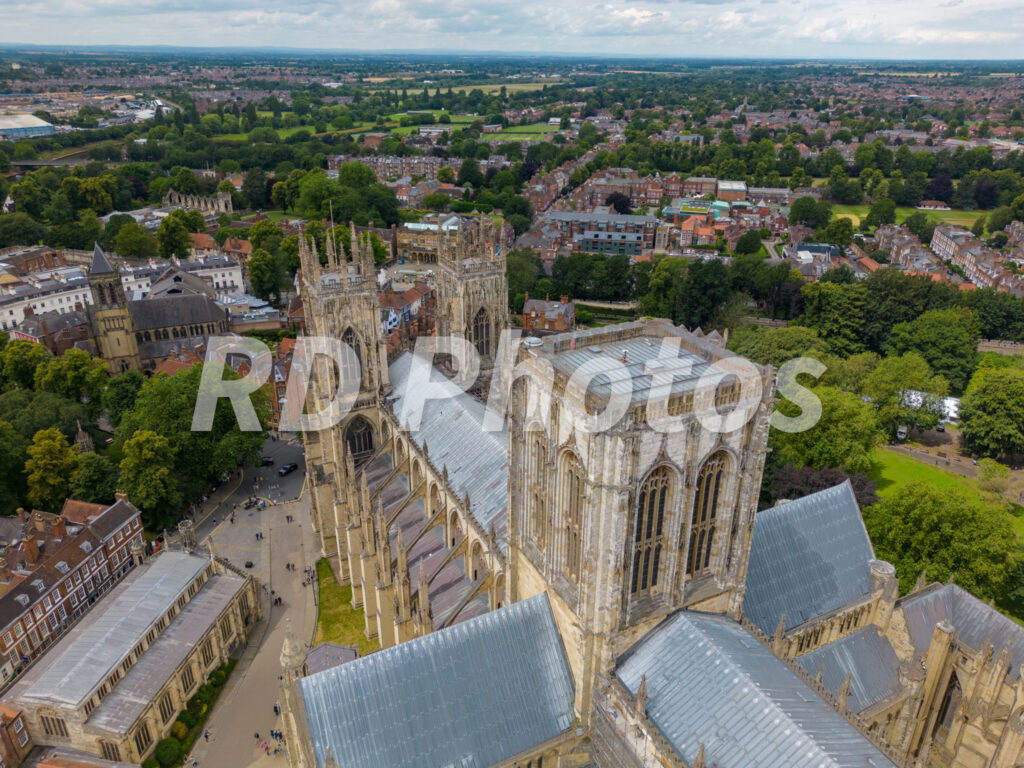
[(908, 29)]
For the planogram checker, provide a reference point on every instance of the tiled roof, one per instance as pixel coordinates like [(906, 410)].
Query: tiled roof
[(870, 660), (974, 622), (471, 695), (807, 557), (709, 681)]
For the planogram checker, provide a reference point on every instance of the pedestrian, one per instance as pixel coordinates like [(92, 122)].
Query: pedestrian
[(257, 737), (206, 735)]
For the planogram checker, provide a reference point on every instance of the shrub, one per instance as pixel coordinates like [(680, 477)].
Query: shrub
[(218, 678), (196, 706), (168, 752), (186, 719), (150, 762), (179, 730)]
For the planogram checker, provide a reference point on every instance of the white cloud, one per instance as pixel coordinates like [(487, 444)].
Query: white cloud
[(719, 28)]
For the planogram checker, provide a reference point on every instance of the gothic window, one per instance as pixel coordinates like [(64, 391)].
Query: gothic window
[(146, 336), (705, 510), (950, 703), (54, 725), (110, 751), (481, 332), (166, 707), (351, 368), (647, 532), (538, 471), (143, 739), (572, 514), (359, 439)]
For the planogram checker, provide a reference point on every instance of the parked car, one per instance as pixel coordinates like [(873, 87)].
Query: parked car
[(287, 469), (268, 460)]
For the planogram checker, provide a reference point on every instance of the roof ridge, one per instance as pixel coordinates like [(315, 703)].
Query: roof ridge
[(759, 694)]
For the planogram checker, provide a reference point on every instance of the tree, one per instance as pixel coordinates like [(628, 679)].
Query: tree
[(993, 477), (844, 436), (437, 201), (946, 534), (946, 338), (173, 239), (749, 242), (75, 375), (837, 312), (19, 229), (978, 227), (881, 212), (254, 187), (775, 346), (50, 467), (992, 413), (792, 482), (266, 234), (264, 274), (1000, 218), (839, 231), (120, 394), (904, 391), (807, 210), (18, 362), (469, 173), (146, 477), (133, 239), (95, 479), (620, 202), (446, 174), (13, 451)]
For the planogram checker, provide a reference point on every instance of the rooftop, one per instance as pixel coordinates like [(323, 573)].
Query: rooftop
[(710, 681), (84, 658), (471, 695)]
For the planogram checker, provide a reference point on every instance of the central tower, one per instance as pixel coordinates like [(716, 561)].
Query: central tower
[(625, 524)]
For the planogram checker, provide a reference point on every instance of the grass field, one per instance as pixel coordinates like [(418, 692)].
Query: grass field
[(893, 470), (283, 133), (337, 621), (958, 217)]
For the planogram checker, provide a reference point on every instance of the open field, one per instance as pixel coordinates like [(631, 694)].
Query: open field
[(893, 470), (283, 133), (956, 216), (337, 621)]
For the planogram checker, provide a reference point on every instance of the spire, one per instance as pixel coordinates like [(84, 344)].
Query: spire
[(424, 615), (402, 565), (293, 657), (210, 546), (921, 582), (780, 636), (100, 264), (329, 761), (843, 694), (641, 697), (701, 761)]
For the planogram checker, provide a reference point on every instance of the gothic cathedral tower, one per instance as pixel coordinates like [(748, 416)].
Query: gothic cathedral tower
[(624, 524), (472, 286), (341, 303), (115, 334)]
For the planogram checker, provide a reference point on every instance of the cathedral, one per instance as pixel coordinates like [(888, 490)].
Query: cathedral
[(550, 594)]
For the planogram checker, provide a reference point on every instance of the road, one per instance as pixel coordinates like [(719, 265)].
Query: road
[(246, 707)]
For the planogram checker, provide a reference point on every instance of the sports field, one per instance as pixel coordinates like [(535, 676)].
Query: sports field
[(956, 216)]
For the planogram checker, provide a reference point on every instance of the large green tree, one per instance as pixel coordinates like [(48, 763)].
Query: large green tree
[(49, 469), (775, 346), (173, 239), (13, 451), (18, 362), (133, 239), (837, 312), (75, 375), (946, 338), (844, 436), (903, 390), (95, 479), (946, 533), (147, 478), (992, 413), (120, 394)]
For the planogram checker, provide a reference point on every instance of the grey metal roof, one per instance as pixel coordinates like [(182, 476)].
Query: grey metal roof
[(136, 690), (452, 429), (807, 557), (469, 696), (709, 681), (873, 666), (973, 620), (100, 264), (328, 655), (85, 657)]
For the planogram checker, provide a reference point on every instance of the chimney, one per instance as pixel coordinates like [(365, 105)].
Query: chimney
[(526, 297), (38, 521), (60, 528), (120, 496), (565, 299), (5, 570), (22, 515), (31, 549)]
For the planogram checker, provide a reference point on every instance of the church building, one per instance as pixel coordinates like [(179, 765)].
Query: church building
[(554, 594)]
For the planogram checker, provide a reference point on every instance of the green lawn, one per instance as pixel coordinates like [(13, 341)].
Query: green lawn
[(893, 470), (283, 133), (337, 621), (958, 217)]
